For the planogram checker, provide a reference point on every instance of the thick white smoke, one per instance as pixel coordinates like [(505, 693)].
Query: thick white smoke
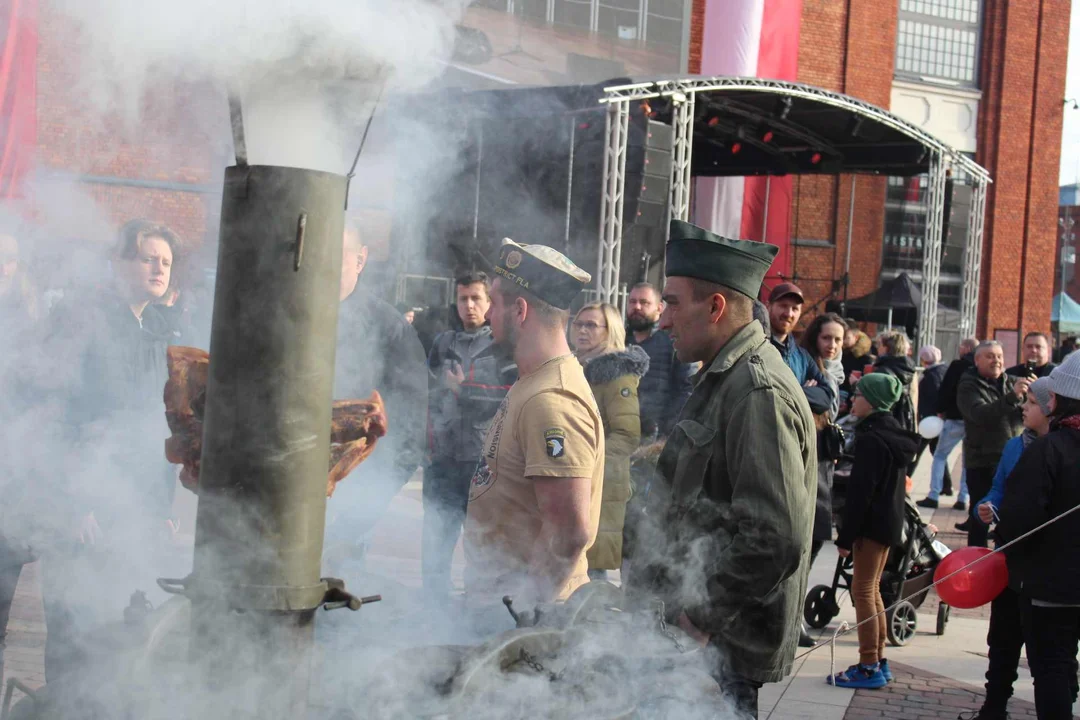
[(306, 72)]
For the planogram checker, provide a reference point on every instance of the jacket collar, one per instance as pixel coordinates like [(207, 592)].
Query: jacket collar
[(746, 340), (784, 347)]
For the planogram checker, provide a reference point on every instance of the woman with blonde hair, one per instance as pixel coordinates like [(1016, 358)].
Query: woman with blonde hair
[(895, 350), (613, 372)]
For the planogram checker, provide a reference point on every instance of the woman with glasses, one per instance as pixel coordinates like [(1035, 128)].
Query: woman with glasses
[(613, 372)]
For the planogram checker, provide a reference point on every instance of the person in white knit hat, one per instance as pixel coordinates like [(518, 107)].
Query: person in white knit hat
[(1044, 569)]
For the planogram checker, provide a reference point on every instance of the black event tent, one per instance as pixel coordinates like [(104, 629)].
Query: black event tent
[(901, 296)]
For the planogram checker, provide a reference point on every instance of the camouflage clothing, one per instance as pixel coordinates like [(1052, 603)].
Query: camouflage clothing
[(740, 472)]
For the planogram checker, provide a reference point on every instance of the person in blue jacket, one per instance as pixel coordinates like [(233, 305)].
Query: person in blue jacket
[(1005, 637)]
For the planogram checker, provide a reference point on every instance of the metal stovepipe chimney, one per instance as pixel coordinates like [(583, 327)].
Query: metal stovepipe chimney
[(259, 532)]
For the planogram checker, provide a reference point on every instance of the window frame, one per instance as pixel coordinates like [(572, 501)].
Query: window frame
[(934, 21)]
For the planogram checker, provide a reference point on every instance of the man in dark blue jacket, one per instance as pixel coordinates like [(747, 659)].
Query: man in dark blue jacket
[(785, 309), (666, 386), (468, 379)]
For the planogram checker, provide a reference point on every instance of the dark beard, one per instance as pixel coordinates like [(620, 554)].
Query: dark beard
[(639, 324)]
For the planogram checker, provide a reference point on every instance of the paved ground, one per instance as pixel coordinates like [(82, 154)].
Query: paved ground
[(937, 676)]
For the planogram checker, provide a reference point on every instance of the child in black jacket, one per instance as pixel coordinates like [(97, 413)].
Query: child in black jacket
[(873, 518)]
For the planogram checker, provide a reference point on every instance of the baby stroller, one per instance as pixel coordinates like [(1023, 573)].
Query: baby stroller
[(909, 569)]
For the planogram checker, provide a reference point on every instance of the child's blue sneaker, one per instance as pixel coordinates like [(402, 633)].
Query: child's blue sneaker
[(883, 665), (859, 677)]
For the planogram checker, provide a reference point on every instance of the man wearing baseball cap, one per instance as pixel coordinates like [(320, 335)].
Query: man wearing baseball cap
[(785, 309)]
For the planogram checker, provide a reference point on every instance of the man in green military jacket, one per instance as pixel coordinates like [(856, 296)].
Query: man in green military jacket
[(730, 553)]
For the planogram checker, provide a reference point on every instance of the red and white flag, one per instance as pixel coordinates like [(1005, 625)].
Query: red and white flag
[(750, 38), (18, 92)]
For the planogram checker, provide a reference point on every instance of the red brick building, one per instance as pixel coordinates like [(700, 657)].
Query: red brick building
[(988, 77)]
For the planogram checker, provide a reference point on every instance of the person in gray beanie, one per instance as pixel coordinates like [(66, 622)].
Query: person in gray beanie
[(1005, 638), (1044, 569)]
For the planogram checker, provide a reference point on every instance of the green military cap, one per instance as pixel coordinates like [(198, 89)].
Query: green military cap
[(697, 253), (543, 271)]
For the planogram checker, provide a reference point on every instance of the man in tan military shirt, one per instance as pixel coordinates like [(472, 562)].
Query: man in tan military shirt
[(534, 505)]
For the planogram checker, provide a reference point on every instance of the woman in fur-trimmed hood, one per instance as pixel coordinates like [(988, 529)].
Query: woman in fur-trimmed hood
[(613, 372)]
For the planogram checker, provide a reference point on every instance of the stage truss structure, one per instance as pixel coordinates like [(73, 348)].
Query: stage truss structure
[(943, 161)]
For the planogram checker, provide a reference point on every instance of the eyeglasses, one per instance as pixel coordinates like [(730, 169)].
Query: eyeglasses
[(590, 326)]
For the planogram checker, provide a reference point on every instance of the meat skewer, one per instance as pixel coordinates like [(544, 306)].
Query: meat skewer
[(355, 425)]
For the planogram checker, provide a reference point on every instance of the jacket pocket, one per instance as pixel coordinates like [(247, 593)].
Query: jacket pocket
[(693, 459)]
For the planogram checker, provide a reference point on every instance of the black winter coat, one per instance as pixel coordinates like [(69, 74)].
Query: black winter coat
[(946, 402), (992, 417), (107, 371), (876, 487), (1044, 484), (1021, 370), (378, 350), (929, 389), (664, 389)]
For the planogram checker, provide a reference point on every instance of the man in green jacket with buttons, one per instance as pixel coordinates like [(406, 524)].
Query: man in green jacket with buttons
[(729, 554)]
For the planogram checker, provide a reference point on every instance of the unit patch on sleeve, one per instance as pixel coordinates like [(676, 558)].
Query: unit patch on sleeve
[(555, 441)]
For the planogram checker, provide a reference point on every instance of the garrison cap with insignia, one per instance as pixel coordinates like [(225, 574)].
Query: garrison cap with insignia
[(697, 253), (543, 271)]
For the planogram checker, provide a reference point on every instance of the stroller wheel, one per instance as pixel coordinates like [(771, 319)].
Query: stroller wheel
[(901, 623), (942, 618), (820, 606)]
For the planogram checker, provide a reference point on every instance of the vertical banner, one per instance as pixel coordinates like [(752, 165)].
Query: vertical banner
[(766, 212), (730, 46), (750, 38), (18, 92)]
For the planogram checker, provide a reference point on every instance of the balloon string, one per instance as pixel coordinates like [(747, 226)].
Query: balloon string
[(844, 628)]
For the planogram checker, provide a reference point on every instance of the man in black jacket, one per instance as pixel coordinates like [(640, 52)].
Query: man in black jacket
[(376, 350), (1036, 357), (666, 386), (989, 401), (953, 431)]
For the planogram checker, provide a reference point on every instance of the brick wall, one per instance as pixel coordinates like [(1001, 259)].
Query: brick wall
[(1023, 70), (166, 139), (697, 33), (848, 48)]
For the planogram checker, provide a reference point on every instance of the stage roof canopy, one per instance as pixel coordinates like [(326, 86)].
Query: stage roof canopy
[(742, 126)]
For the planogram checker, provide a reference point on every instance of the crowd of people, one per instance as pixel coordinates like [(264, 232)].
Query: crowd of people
[(690, 444)]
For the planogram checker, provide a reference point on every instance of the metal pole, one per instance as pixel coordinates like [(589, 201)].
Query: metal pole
[(256, 581), (969, 308), (681, 156), (479, 174), (611, 214), (847, 251), (765, 211), (606, 207), (935, 210), (569, 182), (889, 320), (1066, 224)]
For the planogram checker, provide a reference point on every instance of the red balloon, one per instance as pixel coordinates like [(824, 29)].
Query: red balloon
[(972, 586)]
